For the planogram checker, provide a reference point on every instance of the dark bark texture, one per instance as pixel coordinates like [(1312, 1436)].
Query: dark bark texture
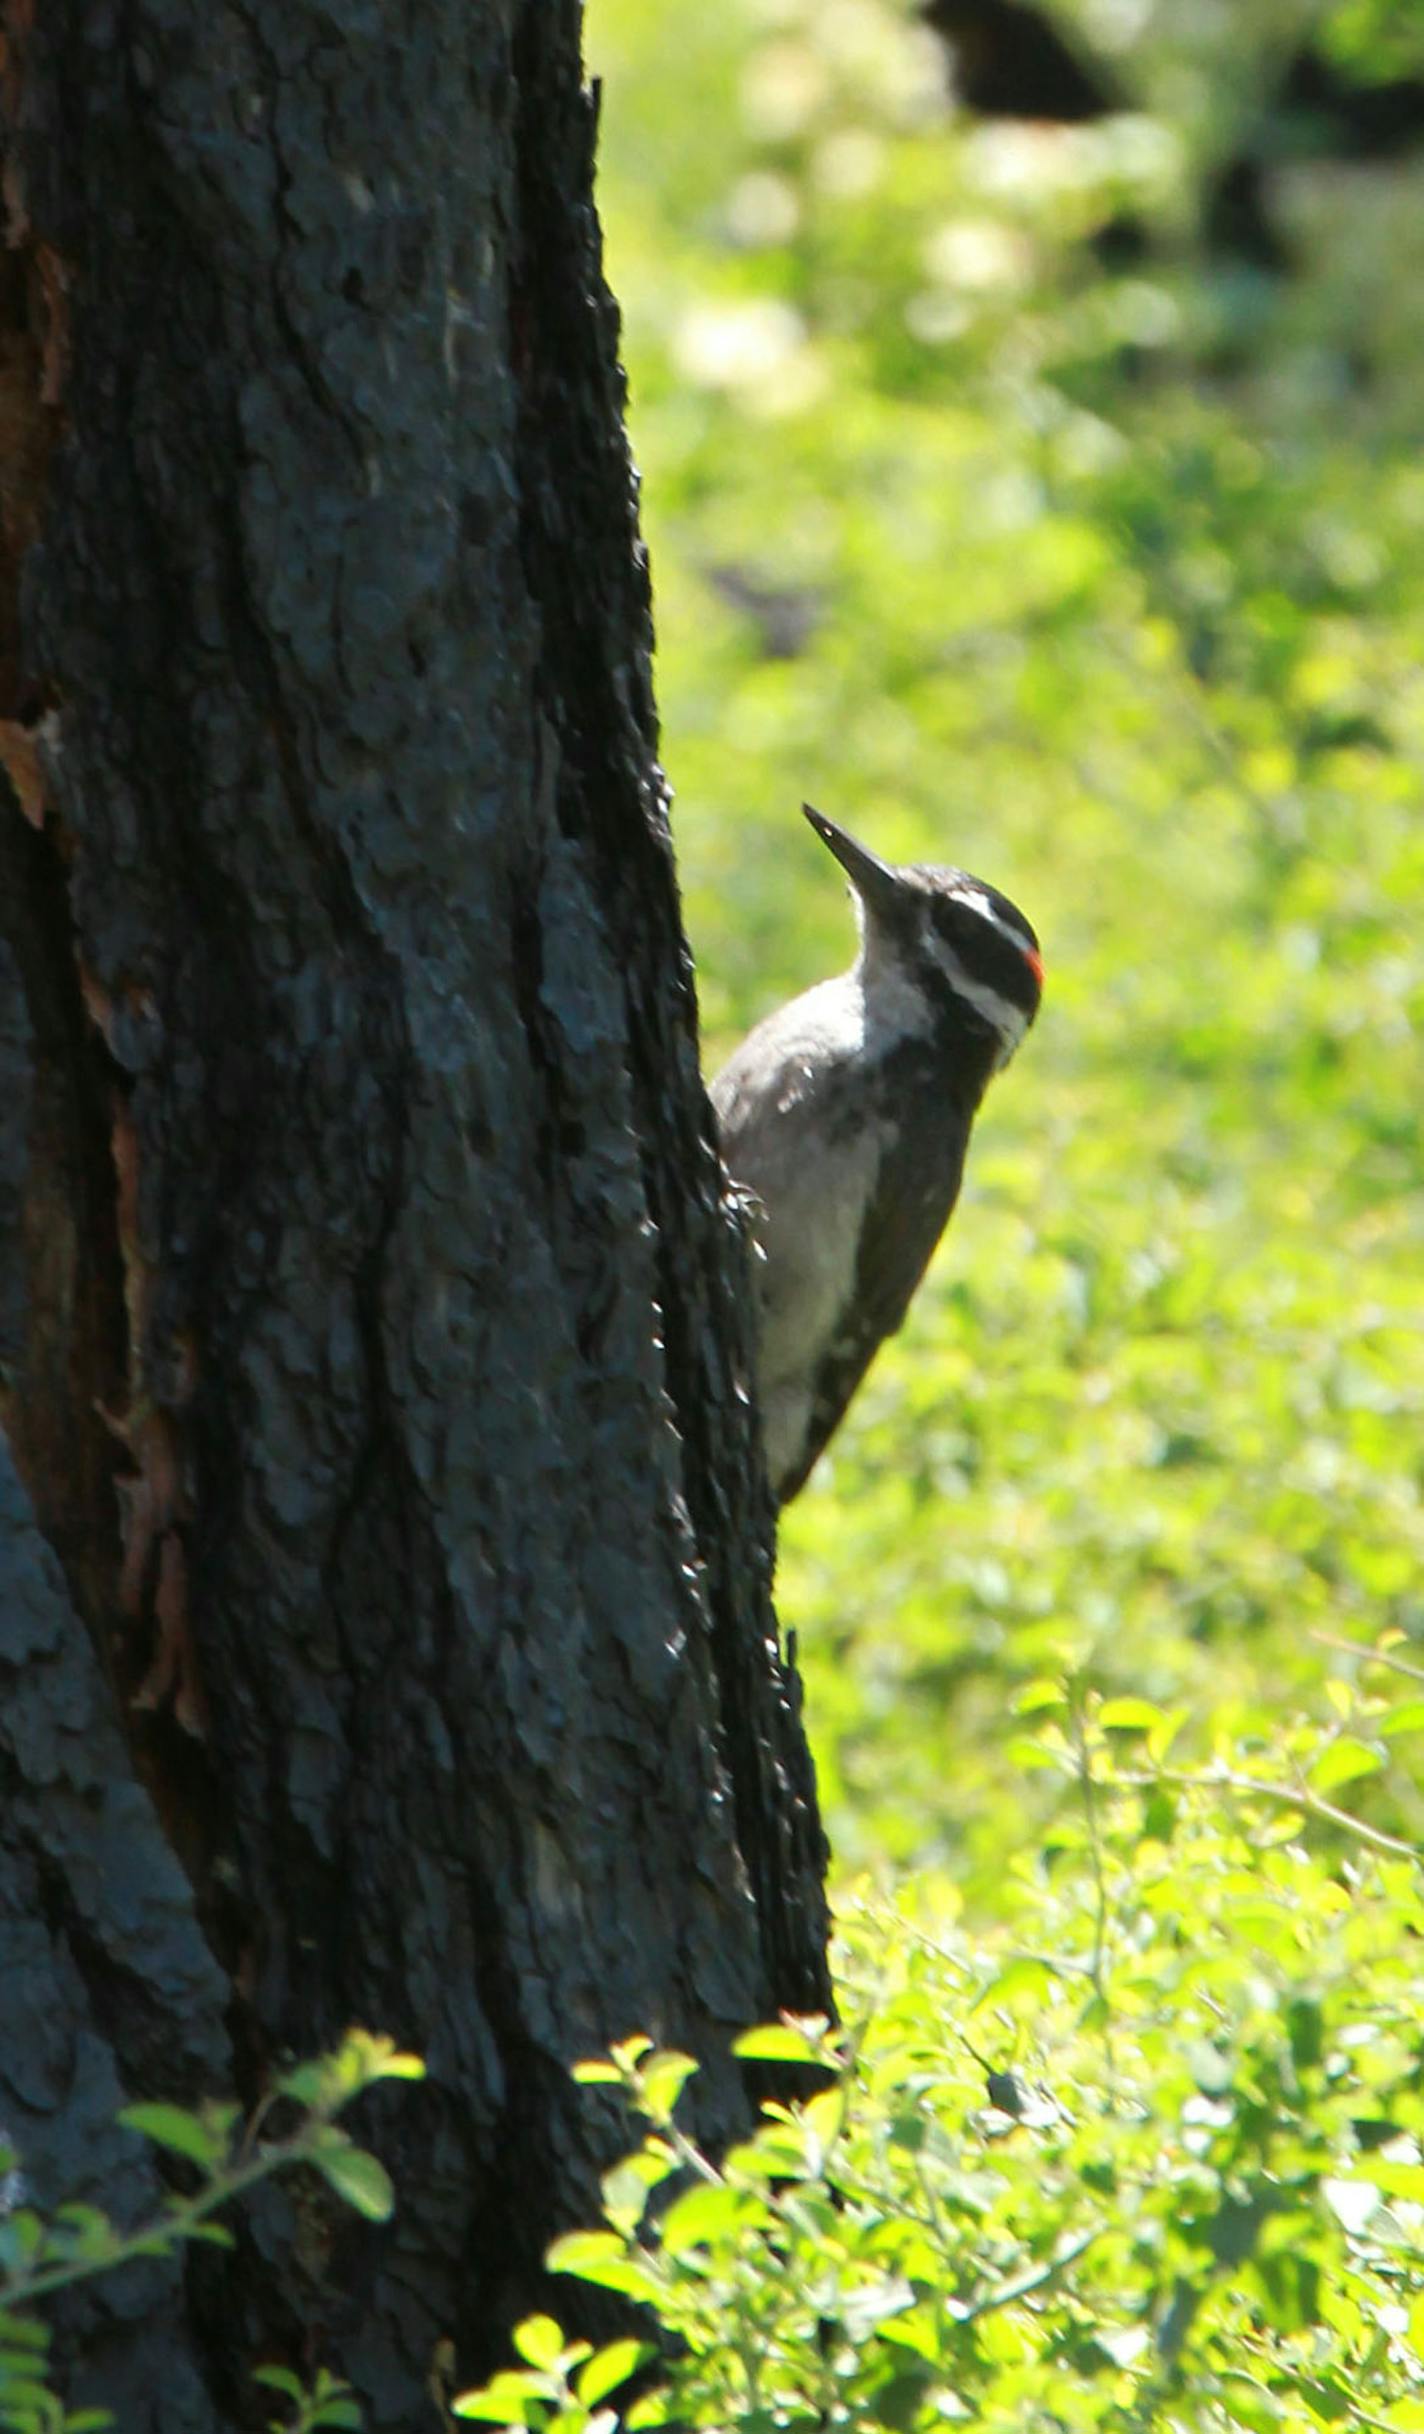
[(384, 1556)]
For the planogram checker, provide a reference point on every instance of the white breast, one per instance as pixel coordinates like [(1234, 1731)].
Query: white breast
[(787, 1116)]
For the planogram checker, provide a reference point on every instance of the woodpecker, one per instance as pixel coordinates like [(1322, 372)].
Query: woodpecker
[(845, 1118)]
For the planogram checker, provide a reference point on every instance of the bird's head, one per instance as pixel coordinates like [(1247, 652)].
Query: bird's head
[(952, 938)]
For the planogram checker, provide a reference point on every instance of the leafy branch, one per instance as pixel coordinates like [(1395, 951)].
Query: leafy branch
[(41, 2256)]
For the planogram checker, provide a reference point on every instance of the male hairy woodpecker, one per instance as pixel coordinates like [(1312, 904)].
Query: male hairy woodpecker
[(846, 1116)]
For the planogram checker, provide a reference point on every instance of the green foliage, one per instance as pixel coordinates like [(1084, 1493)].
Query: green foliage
[(1150, 2153), (326, 2402), (1109, 584), (40, 2255), (1376, 38)]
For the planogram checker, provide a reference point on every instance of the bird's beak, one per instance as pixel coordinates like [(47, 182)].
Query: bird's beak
[(874, 881)]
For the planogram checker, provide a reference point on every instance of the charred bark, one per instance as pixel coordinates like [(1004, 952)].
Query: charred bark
[(373, 1322)]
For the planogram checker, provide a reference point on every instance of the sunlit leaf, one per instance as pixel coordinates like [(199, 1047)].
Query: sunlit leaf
[(1342, 1761), (611, 2366), (539, 2340), (203, 2141), (359, 2179), (780, 2041)]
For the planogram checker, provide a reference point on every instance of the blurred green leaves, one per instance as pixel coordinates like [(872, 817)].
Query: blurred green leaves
[(1108, 583)]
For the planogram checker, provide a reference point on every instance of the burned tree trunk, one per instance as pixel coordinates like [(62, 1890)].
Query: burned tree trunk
[(385, 1629)]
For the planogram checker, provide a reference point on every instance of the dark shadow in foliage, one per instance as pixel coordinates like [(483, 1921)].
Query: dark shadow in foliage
[(1010, 60)]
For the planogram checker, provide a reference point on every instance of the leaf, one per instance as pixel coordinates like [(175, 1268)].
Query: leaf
[(626, 2187), (599, 2257), (576, 2250), (364, 2058), (654, 2409), (508, 2399), (169, 2125), (387, 2060), (280, 2379), (661, 2081), (539, 2340), (629, 2053), (782, 2041), (1343, 1761), (1034, 1756), (704, 2213), (1161, 1736), (21, 2239), (23, 2332), (1023, 1976), (1326, 2400), (824, 2116), (1250, 2404), (1130, 1715), (610, 2366), (917, 2330), (309, 2084), (22, 2391), (1035, 1696), (358, 2178), (1396, 2177), (1305, 2026), (1407, 1717)]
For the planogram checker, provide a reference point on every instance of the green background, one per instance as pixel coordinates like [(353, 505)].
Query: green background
[(1108, 585)]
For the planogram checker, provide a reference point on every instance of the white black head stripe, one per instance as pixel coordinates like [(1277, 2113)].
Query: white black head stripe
[(1001, 1014), (979, 903)]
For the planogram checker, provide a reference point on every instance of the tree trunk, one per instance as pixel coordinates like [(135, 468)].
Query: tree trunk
[(385, 1628)]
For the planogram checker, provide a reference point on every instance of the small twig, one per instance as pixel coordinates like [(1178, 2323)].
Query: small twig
[(1027, 2283), (247, 2147), (1056, 1963), (1371, 1656), (931, 1943), (161, 2233), (1095, 1847), (1279, 1795)]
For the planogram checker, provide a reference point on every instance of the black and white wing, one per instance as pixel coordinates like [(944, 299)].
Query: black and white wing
[(910, 1205)]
